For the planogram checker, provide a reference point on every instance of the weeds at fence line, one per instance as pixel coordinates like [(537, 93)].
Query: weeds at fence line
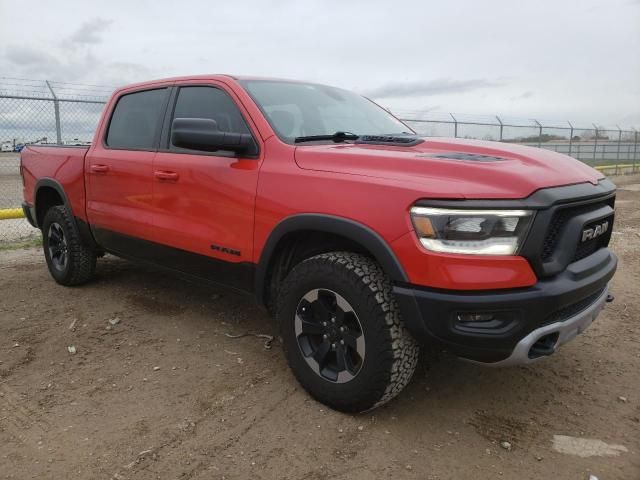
[(31, 242)]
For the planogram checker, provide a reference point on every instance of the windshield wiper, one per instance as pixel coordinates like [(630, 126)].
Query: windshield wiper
[(336, 137)]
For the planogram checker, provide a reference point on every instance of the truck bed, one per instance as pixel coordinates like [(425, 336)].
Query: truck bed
[(63, 165)]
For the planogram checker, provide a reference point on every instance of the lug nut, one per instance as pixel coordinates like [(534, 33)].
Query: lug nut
[(343, 329), (333, 345), (324, 324), (325, 336), (341, 342), (333, 319)]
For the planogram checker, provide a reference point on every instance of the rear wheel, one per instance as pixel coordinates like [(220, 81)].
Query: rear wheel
[(342, 332), (70, 262)]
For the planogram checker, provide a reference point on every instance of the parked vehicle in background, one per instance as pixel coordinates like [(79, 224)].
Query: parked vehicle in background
[(364, 240), (6, 147), (76, 142)]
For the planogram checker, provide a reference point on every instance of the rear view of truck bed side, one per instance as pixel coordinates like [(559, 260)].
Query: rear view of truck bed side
[(53, 175)]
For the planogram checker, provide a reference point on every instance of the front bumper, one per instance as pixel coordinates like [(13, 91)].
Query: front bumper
[(529, 322), (557, 333)]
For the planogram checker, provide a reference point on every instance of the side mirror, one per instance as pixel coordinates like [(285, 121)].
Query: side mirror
[(203, 134)]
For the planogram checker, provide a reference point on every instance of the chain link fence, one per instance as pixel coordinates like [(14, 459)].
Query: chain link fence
[(612, 150), (33, 112), (38, 113)]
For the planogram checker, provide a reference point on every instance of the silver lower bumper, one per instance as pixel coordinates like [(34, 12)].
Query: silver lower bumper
[(567, 330)]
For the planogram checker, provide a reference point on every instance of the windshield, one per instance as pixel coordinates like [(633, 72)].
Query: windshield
[(304, 109)]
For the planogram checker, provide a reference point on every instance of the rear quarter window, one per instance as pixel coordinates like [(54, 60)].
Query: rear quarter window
[(136, 119)]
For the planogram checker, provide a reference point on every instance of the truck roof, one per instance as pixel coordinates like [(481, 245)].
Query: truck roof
[(213, 76)]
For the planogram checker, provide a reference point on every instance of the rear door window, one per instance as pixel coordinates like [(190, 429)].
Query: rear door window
[(135, 121)]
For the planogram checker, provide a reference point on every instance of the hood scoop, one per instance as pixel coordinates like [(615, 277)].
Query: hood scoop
[(469, 157), (391, 140)]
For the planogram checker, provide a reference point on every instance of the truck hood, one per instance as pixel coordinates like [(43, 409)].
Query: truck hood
[(453, 168)]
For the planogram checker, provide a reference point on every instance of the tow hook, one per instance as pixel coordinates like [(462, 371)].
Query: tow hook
[(610, 298)]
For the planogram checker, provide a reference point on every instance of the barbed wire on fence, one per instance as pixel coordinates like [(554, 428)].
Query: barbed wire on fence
[(593, 144), (50, 112), (34, 111)]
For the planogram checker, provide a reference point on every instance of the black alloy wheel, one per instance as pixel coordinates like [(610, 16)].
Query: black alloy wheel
[(329, 335), (57, 244)]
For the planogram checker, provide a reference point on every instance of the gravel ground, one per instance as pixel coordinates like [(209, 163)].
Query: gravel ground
[(157, 390), (16, 230)]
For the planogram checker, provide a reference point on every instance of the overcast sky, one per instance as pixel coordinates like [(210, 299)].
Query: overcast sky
[(577, 60)]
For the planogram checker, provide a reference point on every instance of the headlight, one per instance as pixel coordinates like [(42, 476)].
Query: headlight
[(476, 232)]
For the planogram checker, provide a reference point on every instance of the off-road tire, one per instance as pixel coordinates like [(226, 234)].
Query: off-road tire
[(391, 352), (81, 260)]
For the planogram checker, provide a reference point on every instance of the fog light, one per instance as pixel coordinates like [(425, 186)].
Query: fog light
[(485, 322), (475, 317)]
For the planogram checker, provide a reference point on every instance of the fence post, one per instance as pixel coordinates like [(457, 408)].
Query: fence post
[(618, 153), (501, 126), (635, 150), (539, 133), (595, 144), (570, 138), (455, 126), (56, 109)]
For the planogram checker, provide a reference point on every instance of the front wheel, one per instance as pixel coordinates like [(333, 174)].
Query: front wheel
[(70, 262), (342, 332)]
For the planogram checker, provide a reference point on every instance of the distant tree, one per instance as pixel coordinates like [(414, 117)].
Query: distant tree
[(545, 137), (587, 134), (602, 133)]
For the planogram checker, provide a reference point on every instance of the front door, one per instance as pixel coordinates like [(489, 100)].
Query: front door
[(204, 202)]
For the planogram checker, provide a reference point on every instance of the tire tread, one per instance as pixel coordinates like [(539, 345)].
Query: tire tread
[(82, 259), (399, 359)]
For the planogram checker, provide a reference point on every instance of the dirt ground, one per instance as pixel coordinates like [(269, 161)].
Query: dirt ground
[(157, 390)]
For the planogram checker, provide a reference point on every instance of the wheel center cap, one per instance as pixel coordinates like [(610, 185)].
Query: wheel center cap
[(333, 331)]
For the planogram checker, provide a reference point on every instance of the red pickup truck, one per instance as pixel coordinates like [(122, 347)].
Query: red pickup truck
[(363, 239)]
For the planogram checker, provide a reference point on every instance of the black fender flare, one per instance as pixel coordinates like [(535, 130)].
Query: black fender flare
[(50, 183), (355, 231), (83, 228)]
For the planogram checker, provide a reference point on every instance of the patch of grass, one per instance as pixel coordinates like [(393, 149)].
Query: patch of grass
[(22, 243)]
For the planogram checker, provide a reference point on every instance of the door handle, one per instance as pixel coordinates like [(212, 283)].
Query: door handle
[(99, 168), (166, 176)]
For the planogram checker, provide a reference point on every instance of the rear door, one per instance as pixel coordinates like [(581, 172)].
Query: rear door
[(119, 171), (204, 202)]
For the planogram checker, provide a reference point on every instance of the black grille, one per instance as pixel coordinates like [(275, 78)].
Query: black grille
[(558, 223), (585, 249), (573, 309)]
